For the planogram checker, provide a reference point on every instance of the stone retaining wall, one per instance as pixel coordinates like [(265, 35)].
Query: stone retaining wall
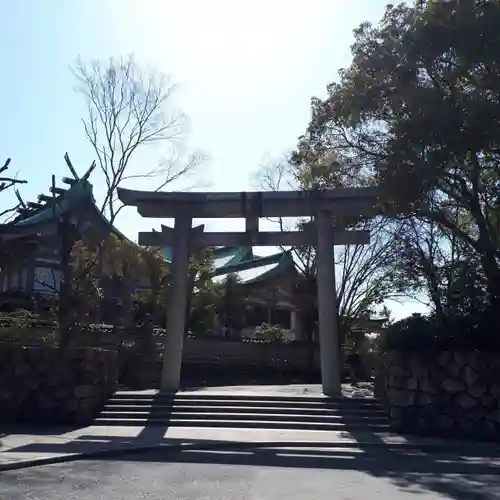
[(455, 394), (46, 384)]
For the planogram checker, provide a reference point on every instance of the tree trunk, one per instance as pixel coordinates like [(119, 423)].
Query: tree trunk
[(492, 274)]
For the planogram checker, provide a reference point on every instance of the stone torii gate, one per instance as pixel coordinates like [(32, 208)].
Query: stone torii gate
[(322, 205)]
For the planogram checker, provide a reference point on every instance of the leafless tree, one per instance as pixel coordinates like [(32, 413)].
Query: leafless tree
[(6, 182), (129, 108), (278, 175), (364, 272), (365, 275)]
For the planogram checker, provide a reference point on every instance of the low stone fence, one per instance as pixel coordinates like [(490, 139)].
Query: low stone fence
[(454, 394), (224, 360), (46, 384), (241, 352)]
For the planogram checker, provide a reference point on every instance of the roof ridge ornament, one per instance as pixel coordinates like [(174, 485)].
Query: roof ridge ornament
[(28, 209), (70, 166)]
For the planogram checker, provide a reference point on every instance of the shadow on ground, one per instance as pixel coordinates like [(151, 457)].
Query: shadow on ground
[(458, 476), (457, 470), (461, 475)]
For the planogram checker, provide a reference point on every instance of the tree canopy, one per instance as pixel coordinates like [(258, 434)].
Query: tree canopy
[(418, 113)]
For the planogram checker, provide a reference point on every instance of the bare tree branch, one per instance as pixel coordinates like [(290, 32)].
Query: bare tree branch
[(129, 108), (6, 182), (278, 176)]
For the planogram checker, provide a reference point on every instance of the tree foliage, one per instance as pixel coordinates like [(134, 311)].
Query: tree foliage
[(220, 304), (119, 272), (418, 113)]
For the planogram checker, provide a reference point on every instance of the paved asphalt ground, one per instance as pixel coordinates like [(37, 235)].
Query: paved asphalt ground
[(255, 472)]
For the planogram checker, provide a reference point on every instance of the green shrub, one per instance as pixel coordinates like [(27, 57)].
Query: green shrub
[(271, 333), (480, 332)]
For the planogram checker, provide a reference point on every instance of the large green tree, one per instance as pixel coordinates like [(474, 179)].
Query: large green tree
[(418, 112)]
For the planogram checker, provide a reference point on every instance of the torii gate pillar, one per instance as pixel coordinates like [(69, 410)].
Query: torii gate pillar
[(176, 304), (327, 307)]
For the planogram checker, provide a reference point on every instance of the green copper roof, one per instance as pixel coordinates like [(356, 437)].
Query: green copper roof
[(166, 253), (223, 256), (242, 262), (80, 193), (75, 196)]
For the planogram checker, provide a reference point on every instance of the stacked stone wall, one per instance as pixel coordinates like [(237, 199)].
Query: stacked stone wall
[(50, 385), (447, 393)]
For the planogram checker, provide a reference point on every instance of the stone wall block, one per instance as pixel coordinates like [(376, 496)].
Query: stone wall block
[(428, 386), (411, 384), (399, 397), (477, 390), (476, 361), (471, 376), (477, 414), (460, 358), (457, 394), (425, 399), (494, 368), (495, 389), (452, 385), (489, 402), (445, 422), (46, 384), (61, 392), (32, 381), (438, 372), (466, 402), (84, 391), (400, 371), (445, 359), (21, 369), (453, 369), (466, 425), (397, 381), (392, 358)]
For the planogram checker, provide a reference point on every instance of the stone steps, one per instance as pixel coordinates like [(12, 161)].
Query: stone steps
[(241, 411), (244, 409), (239, 400)]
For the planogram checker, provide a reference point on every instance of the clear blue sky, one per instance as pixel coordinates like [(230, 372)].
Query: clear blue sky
[(246, 72)]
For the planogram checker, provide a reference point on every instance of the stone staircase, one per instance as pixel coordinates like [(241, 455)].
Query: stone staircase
[(244, 411)]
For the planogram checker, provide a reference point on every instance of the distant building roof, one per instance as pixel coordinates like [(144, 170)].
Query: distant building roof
[(241, 262), (256, 269)]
